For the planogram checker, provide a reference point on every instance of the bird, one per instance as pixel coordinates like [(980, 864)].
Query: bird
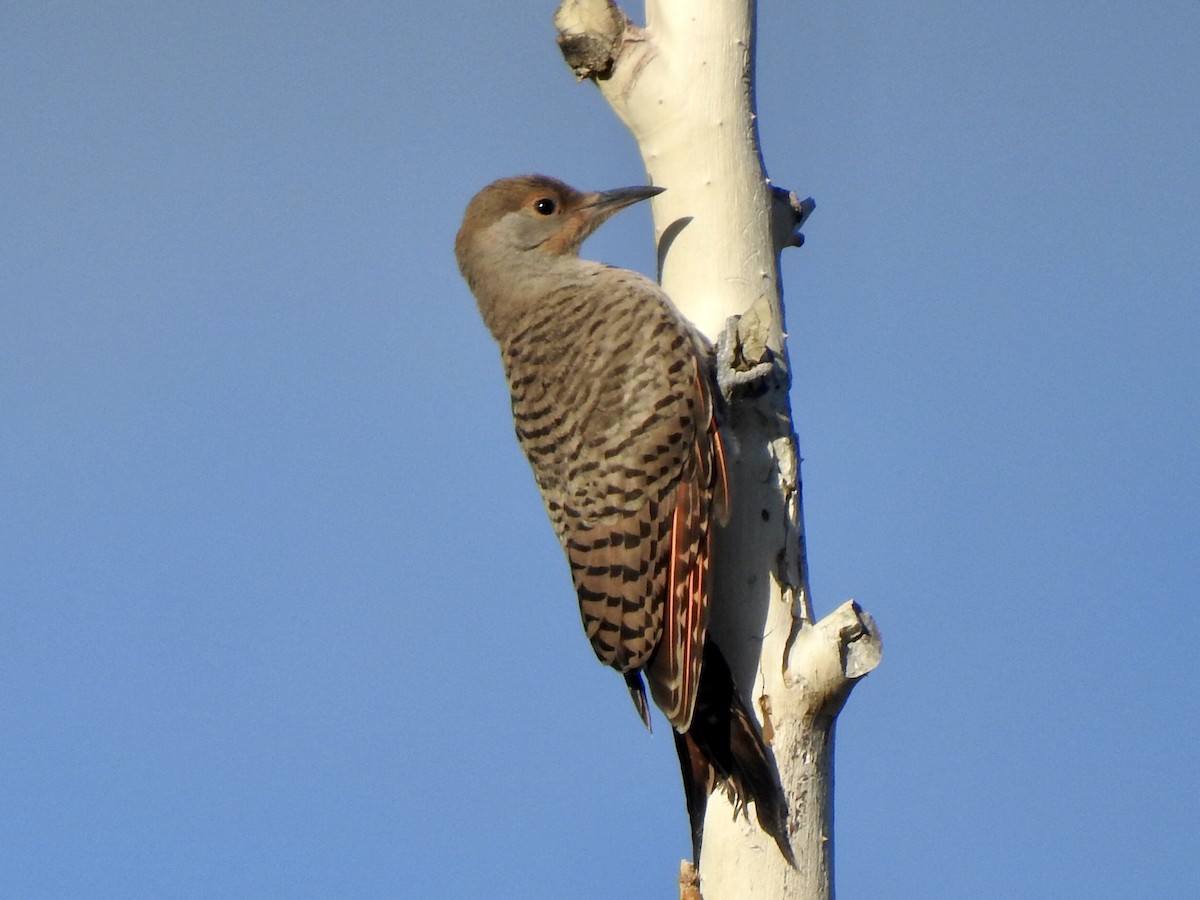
[(616, 408)]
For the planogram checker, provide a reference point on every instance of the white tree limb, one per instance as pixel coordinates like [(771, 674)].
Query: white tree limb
[(684, 85)]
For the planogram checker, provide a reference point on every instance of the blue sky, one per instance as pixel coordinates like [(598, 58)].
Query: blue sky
[(280, 614)]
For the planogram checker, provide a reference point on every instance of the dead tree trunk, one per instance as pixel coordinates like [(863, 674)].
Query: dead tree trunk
[(684, 85)]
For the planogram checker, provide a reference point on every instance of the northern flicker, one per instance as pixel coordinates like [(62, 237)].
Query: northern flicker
[(615, 408)]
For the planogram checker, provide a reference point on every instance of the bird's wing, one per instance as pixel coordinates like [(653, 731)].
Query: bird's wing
[(617, 421), (642, 575), (701, 496)]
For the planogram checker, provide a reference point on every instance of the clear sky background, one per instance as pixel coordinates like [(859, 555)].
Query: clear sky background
[(280, 612)]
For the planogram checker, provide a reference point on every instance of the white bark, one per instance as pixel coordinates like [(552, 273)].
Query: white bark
[(684, 86)]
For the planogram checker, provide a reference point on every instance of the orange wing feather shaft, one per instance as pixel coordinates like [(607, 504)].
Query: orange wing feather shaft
[(701, 495)]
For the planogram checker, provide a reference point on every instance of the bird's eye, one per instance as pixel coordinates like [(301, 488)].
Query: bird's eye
[(544, 205)]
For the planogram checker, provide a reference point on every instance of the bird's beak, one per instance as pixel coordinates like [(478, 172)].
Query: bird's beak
[(593, 211), (605, 203)]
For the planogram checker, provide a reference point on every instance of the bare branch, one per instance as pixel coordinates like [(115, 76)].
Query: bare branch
[(684, 87)]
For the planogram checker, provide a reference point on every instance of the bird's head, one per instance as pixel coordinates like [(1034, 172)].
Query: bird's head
[(520, 236), (536, 214)]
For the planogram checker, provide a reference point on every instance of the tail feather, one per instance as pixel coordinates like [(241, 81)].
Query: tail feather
[(637, 693), (723, 748)]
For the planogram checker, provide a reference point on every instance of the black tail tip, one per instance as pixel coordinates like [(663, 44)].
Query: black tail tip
[(724, 748)]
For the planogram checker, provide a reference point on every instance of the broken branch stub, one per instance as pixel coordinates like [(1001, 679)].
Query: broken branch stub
[(590, 36)]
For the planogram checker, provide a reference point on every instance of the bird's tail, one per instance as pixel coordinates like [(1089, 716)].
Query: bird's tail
[(722, 748)]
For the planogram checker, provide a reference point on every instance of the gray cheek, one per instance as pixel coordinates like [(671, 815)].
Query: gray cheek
[(524, 231)]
